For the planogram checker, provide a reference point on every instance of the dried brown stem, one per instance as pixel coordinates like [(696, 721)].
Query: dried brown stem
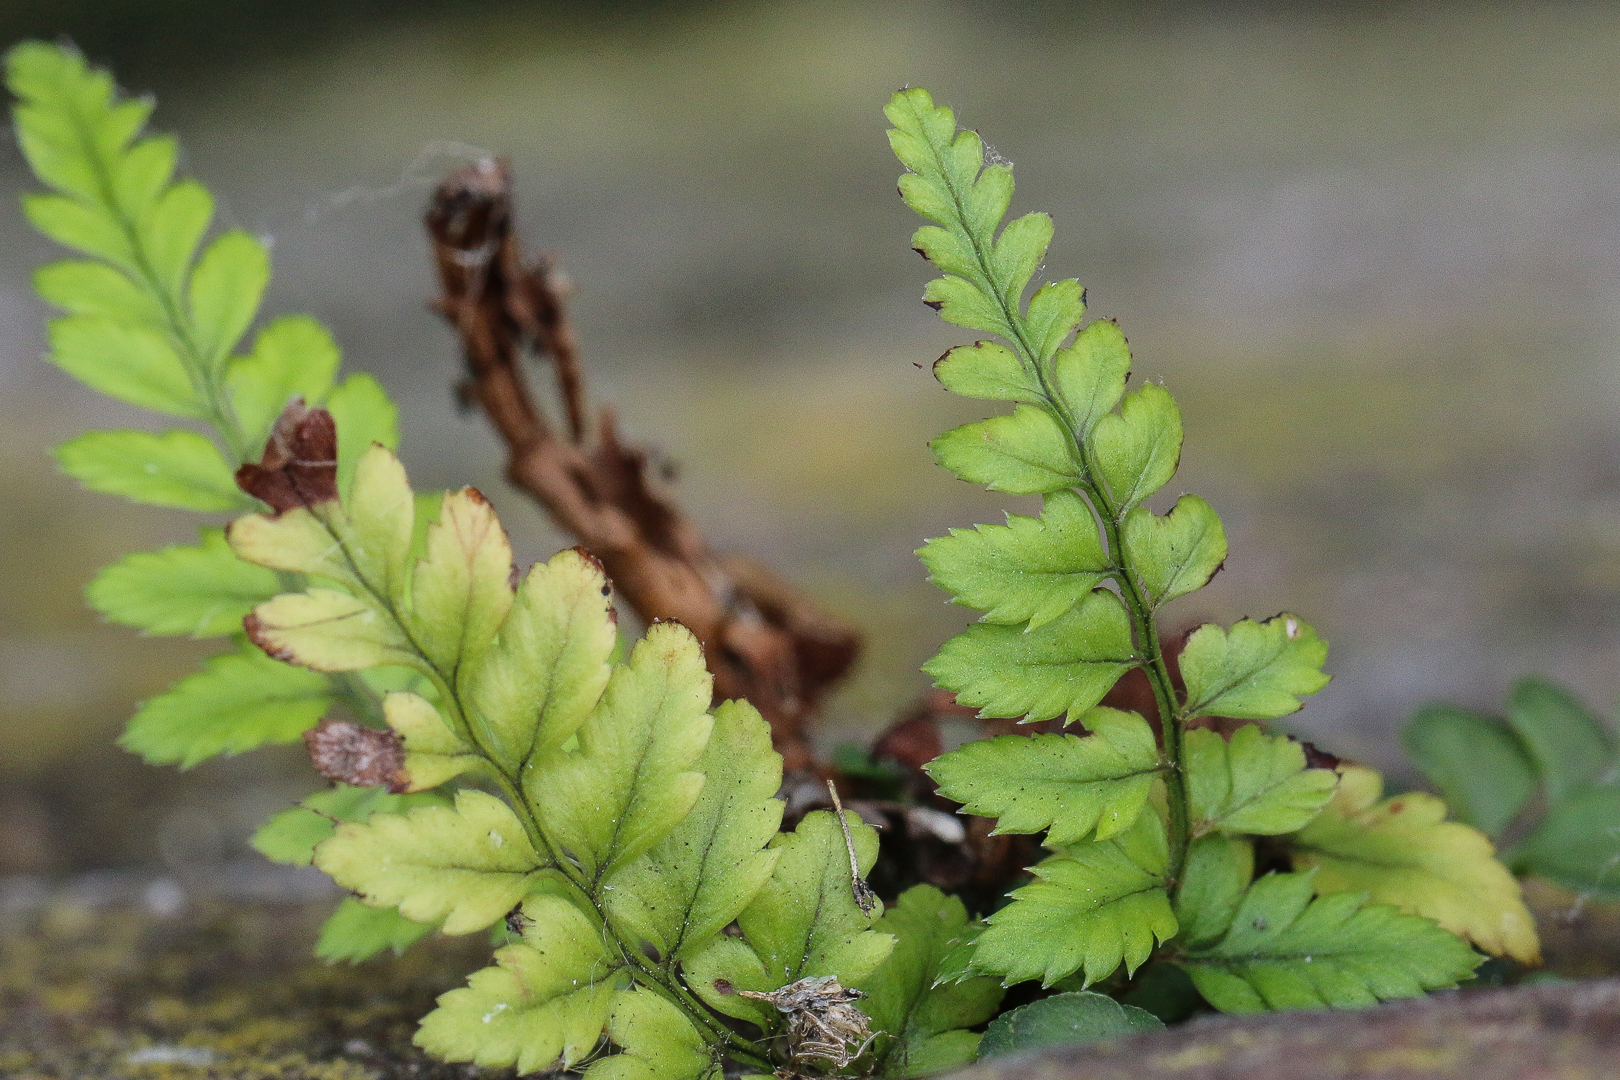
[(765, 641)]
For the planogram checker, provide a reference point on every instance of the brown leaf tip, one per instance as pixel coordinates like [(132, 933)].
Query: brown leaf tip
[(362, 756), (1318, 759), (590, 558), (256, 633), (299, 466)]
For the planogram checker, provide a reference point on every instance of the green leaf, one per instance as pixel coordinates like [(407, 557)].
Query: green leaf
[(1138, 448), (543, 1004), (954, 252), (468, 866), (1578, 845), (945, 162), (1213, 883), (957, 963), (1054, 311), (987, 370), (1175, 554), (326, 630), (1026, 453), (1070, 1019), (717, 972), (1256, 783), (295, 541), (1402, 851), (364, 414), (1257, 672), (805, 921), (1089, 376), (82, 227), (1482, 769), (376, 523), (433, 753), (462, 589), (630, 783), (428, 505), (1286, 951), (1028, 570), (203, 591), (1069, 785), (177, 468), (60, 101), (1569, 745), (356, 932), (131, 363), (1090, 908), (1019, 250), (226, 288), (656, 1042), (96, 289), (290, 836), (691, 884), (68, 120), (237, 702), (953, 185), (172, 229), (536, 685), (964, 303), (924, 1023), (1064, 668), (294, 356), (142, 174)]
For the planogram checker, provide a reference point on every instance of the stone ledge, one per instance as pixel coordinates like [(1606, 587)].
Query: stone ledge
[(1564, 1031), (143, 977)]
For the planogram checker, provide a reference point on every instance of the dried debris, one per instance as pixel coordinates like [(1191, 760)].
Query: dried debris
[(365, 757), (823, 1024), (299, 466), (865, 898), (763, 639)]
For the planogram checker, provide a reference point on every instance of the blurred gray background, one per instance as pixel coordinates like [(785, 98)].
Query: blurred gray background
[(1373, 249)]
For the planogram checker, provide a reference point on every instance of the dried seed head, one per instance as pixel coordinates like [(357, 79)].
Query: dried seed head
[(823, 1023)]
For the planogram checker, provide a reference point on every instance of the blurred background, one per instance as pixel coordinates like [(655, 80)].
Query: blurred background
[(1374, 250)]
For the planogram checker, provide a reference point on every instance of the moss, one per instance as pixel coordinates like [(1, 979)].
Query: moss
[(222, 992)]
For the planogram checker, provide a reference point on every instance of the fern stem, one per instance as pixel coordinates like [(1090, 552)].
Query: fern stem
[(1144, 627), (1157, 670), (349, 688), (663, 979)]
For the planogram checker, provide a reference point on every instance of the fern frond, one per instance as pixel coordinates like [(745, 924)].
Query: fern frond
[(154, 316), (1287, 951), (627, 810)]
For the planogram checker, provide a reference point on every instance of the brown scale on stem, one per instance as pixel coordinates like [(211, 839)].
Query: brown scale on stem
[(764, 640)]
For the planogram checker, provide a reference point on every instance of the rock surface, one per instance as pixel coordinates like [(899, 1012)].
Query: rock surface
[(152, 983), (151, 979), (1563, 1031)]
